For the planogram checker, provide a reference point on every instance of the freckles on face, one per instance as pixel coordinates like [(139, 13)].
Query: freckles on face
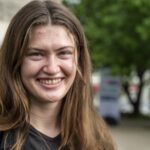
[(49, 67)]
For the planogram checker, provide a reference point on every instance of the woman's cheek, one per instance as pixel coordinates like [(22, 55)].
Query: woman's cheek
[(70, 67)]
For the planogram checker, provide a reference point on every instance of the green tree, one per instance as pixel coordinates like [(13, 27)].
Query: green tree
[(118, 33)]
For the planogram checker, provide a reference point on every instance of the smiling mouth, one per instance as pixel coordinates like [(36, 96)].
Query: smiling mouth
[(50, 81)]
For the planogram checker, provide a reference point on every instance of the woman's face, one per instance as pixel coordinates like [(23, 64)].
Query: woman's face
[(49, 66)]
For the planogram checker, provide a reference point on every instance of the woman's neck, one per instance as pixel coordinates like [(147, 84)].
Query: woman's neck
[(45, 118)]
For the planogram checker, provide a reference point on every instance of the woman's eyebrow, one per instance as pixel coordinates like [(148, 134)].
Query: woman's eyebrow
[(35, 49), (57, 49), (65, 47)]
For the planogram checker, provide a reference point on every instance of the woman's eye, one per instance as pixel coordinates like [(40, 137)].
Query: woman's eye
[(65, 53), (35, 55)]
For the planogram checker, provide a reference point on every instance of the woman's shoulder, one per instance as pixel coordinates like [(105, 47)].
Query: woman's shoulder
[(10, 139), (1, 136)]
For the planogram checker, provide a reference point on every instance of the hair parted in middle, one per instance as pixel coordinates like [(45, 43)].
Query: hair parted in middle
[(80, 124)]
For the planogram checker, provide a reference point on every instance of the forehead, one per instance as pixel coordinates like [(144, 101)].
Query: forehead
[(51, 32)]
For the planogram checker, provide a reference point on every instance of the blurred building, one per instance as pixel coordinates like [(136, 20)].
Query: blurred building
[(8, 9)]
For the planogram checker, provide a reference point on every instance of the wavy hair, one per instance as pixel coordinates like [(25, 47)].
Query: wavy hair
[(81, 126)]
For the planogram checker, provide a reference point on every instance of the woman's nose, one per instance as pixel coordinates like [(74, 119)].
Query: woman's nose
[(51, 66)]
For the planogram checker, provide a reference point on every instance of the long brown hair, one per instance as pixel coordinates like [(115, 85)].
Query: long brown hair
[(81, 126)]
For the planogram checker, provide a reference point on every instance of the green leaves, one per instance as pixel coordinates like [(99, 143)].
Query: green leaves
[(118, 32)]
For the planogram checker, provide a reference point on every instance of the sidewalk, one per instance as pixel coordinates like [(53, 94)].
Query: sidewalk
[(132, 135)]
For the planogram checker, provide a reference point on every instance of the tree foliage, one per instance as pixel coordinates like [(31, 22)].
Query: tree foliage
[(118, 33)]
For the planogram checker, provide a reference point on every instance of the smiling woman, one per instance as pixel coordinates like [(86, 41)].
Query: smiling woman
[(49, 67), (45, 83)]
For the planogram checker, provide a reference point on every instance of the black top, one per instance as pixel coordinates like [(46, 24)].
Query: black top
[(38, 141)]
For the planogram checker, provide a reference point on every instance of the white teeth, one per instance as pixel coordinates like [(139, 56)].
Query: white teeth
[(50, 81)]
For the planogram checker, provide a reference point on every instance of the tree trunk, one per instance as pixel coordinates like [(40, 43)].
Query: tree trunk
[(137, 101)]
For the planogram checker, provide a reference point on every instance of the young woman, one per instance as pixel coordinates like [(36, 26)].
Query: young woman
[(45, 83)]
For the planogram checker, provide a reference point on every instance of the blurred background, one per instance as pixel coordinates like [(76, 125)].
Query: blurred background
[(118, 34)]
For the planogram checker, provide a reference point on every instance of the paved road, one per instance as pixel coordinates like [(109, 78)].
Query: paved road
[(132, 135)]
